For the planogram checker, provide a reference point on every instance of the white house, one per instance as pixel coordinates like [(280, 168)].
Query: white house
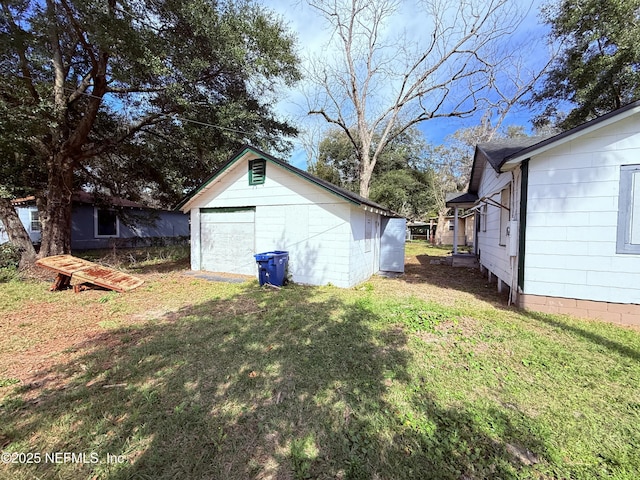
[(559, 218), (257, 203)]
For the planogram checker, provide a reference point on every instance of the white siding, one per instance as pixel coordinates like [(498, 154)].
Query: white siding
[(316, 237), (494, 256), (572, 213), (24, 214), (364, 261), (292, 214), (196, 260), (281, 187)]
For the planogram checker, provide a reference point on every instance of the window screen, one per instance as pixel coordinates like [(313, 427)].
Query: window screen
[(35, 221), (628, 236)]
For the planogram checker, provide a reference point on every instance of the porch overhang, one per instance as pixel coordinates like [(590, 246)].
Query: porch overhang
[(466, 200)]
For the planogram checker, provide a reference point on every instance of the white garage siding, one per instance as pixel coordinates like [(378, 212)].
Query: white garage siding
[(572, 215), (364, 246), (323, 233), (316, 237)]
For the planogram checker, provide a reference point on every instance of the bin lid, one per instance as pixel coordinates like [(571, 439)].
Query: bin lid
[(267, 255)]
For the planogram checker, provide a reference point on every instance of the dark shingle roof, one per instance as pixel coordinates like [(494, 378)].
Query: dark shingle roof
[(497, 151), (90, 199), (454, 199)]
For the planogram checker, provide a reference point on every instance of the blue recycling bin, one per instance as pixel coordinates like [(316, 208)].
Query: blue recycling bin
[(272, 267)]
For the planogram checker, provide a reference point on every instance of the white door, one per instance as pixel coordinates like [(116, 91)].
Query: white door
[(227, 239)]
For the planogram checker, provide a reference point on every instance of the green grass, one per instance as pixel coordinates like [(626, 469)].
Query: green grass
[(319, 382), (15, 294)]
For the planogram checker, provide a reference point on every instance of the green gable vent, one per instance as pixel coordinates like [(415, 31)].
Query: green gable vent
[(257, 170)]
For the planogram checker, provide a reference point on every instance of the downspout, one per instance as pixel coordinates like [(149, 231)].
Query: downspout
[(513, 260), (522, 224)]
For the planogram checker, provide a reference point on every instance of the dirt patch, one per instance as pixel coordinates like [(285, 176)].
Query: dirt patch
[(443, 283), (42, 334)]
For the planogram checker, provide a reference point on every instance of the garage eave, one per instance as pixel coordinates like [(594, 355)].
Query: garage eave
[(187, 203)]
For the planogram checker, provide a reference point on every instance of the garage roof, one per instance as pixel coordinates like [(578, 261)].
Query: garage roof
[(339, 191)]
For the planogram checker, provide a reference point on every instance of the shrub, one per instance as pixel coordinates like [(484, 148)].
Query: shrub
[(9, 260), (9, 255)]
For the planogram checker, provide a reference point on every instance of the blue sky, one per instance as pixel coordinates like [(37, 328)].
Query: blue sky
[(313, 36)]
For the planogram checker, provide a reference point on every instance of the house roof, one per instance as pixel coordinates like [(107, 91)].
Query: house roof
[(89, 199), (504, 155), (466, 200), (494, 153), (92, 199), (330, 187)]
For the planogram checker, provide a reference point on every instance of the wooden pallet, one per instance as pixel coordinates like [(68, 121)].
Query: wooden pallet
[(68, 266)]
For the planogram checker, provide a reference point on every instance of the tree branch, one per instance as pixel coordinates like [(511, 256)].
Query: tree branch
[(80, 33), (131, 130), (22, 53)]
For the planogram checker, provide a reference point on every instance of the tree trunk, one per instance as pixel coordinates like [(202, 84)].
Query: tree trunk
[(367, 165), (365, 181), (56, 217), (442, 228), (17, 233)]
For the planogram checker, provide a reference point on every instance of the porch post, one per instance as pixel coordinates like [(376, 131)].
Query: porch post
[(455, 230)]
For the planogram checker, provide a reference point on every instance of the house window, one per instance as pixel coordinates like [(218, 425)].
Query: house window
[(106, 223), (628, 238), (505, 201), (451, 226), (257, 171), (34, 224), (483, 217)]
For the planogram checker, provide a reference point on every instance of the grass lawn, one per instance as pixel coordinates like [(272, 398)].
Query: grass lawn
[(430, 375)]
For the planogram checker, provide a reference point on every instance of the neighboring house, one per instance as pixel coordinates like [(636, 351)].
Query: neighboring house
[(28, 214), (445, 234), (257, 203), (559, 218), (107, 221), (419, 230)]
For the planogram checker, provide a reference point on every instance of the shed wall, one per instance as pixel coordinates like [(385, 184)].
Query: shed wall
[(292, 214), (364, 255)]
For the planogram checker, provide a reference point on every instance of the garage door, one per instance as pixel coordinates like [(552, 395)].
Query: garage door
[(227, 239)]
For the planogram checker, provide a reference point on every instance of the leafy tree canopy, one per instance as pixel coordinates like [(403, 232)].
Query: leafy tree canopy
[(598, 69), (401, 180), (122, 94)]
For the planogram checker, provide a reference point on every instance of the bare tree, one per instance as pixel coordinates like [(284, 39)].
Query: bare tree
[(382, 83)]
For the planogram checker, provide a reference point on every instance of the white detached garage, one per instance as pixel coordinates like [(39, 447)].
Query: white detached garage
[(258, 203)]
